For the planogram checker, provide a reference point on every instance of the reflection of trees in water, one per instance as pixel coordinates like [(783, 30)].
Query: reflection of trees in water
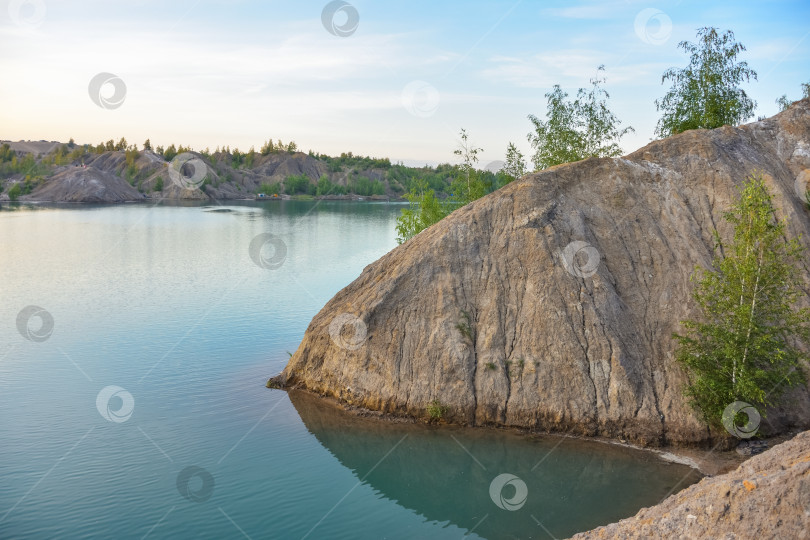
[(577, 485)]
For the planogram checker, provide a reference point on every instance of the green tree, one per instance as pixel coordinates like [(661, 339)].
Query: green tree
[(424, 209), (147, 144), (325, 186), (159, 184), (131, 168), (14, 192), (744, 348), (299, 184), (170, 153), (706, 93), (269, 189), (784, 102), (515, 166), (267, 147), (6, 153), (575, 130), (377, 188), (250, 157), (363, 186), (468, 186)]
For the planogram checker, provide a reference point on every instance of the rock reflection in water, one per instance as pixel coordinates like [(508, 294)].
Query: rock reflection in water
[(446, 473)]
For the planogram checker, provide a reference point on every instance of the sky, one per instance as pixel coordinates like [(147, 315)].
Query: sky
[(396, 79)]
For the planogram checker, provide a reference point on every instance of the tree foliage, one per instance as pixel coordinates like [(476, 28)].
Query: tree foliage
[(784, 102), (300, 183), (365, 186), (426, 208), (468, 186), (170, 153), (515, 166), (744, 348), (348, 159), (706, 94), (14, 192), (575, 130)]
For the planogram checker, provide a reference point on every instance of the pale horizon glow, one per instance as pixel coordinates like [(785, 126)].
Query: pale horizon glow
[(213, 73)]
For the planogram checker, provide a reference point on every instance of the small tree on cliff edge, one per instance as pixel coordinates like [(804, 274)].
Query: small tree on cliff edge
[(744, 349), (575, 130), (425, 208), (784, 102), (706, 93)]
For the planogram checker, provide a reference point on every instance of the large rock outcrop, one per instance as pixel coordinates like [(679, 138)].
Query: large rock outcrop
[(768, 496), (550, 304), (89, 185)]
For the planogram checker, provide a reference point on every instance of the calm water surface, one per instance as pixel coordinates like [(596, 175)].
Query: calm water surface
[(165, 305)]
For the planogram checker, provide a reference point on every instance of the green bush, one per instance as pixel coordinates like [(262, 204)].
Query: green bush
[(326, 187), (299, 184), (435, 410), (464, 326), (27, 165), (269, 189), (365, 186), (6, 153), (424, 210), (14, 192), (159, 184)]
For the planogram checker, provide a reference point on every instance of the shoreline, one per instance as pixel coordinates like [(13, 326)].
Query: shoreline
[(707, 461), (203, 202)]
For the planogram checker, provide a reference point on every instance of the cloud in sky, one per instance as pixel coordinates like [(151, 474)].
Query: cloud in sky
[(208, 73), (603, 10)]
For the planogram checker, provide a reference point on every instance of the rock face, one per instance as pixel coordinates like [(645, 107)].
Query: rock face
[(550, 304), (277, 167), (768, 496), (77, 184)]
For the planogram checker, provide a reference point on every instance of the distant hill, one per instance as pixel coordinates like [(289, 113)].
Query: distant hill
[(51, 171)]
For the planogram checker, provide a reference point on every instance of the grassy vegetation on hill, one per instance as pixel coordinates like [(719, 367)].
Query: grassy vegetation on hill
[(278, 168)]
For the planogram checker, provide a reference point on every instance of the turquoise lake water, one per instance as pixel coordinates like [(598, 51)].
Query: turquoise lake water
[(133, 403)]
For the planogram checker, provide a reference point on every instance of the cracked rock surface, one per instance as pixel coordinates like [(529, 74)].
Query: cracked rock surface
[(550, 303), (768, 496)]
